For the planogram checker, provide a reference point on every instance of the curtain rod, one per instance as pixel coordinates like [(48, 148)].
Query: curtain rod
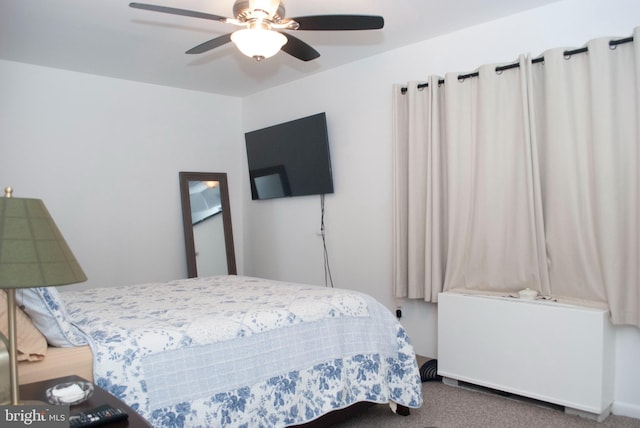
[(499, 69)]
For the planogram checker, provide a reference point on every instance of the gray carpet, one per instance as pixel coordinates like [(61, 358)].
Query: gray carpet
[(456, 407)]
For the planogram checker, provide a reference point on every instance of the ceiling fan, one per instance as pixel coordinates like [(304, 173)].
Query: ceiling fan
[(263, 22)]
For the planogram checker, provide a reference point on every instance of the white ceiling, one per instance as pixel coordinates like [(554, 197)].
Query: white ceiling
[(108, 38)]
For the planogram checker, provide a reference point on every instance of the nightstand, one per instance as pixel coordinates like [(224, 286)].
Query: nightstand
[(36, 391)]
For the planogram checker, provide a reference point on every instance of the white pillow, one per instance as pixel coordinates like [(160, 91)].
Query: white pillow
[(45, 307)]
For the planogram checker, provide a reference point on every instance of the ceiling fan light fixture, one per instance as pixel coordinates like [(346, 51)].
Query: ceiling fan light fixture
[(262, 21), (258, 43)]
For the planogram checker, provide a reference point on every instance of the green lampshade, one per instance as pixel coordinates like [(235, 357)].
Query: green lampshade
[(33, 252)]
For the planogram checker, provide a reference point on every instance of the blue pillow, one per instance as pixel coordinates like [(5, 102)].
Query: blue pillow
[(45, 307)]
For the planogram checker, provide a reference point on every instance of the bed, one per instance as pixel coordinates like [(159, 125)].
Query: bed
[(237, 351)]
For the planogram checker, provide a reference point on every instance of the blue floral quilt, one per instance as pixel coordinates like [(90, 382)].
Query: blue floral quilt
[(233, 351)]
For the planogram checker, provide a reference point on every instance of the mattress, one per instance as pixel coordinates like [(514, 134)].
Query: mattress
[(58, 362)]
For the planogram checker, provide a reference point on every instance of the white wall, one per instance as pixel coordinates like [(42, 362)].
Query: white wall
[(280, 235), (104, 156)]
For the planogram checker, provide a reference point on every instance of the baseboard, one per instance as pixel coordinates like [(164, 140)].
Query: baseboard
[(625, 409), (598, 417)]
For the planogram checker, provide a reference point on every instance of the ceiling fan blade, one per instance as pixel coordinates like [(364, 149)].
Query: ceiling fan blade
[(299, 49), (340, 22), (211, 44), (175, 11)]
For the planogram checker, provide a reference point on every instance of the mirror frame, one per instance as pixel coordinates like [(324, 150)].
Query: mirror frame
[(221, 177)]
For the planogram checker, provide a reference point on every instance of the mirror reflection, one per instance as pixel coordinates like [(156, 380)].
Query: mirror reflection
[(207, 224)]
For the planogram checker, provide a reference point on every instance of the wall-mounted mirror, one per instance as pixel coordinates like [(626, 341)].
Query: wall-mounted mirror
[(206, 216)]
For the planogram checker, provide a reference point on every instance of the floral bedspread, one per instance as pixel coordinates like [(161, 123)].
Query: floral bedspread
[(243, 352)]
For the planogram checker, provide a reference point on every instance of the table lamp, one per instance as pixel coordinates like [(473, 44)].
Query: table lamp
[(33, 253)]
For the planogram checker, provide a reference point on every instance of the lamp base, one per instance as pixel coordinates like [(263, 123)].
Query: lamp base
[(5, 383)]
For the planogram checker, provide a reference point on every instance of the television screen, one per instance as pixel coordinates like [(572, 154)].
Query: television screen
[(290, 159)]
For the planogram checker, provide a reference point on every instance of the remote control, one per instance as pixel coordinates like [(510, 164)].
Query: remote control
[(101, 415)]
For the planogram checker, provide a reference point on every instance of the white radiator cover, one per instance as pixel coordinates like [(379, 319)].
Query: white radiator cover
[(557, 353)]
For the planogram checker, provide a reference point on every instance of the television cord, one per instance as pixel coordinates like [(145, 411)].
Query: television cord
[(327, 267)]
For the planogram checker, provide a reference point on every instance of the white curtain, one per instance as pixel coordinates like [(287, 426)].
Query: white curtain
[(525, 177), (587, 109), (419, 169)]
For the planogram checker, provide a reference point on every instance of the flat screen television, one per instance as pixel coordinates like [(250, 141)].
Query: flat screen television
[(290, 159)]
